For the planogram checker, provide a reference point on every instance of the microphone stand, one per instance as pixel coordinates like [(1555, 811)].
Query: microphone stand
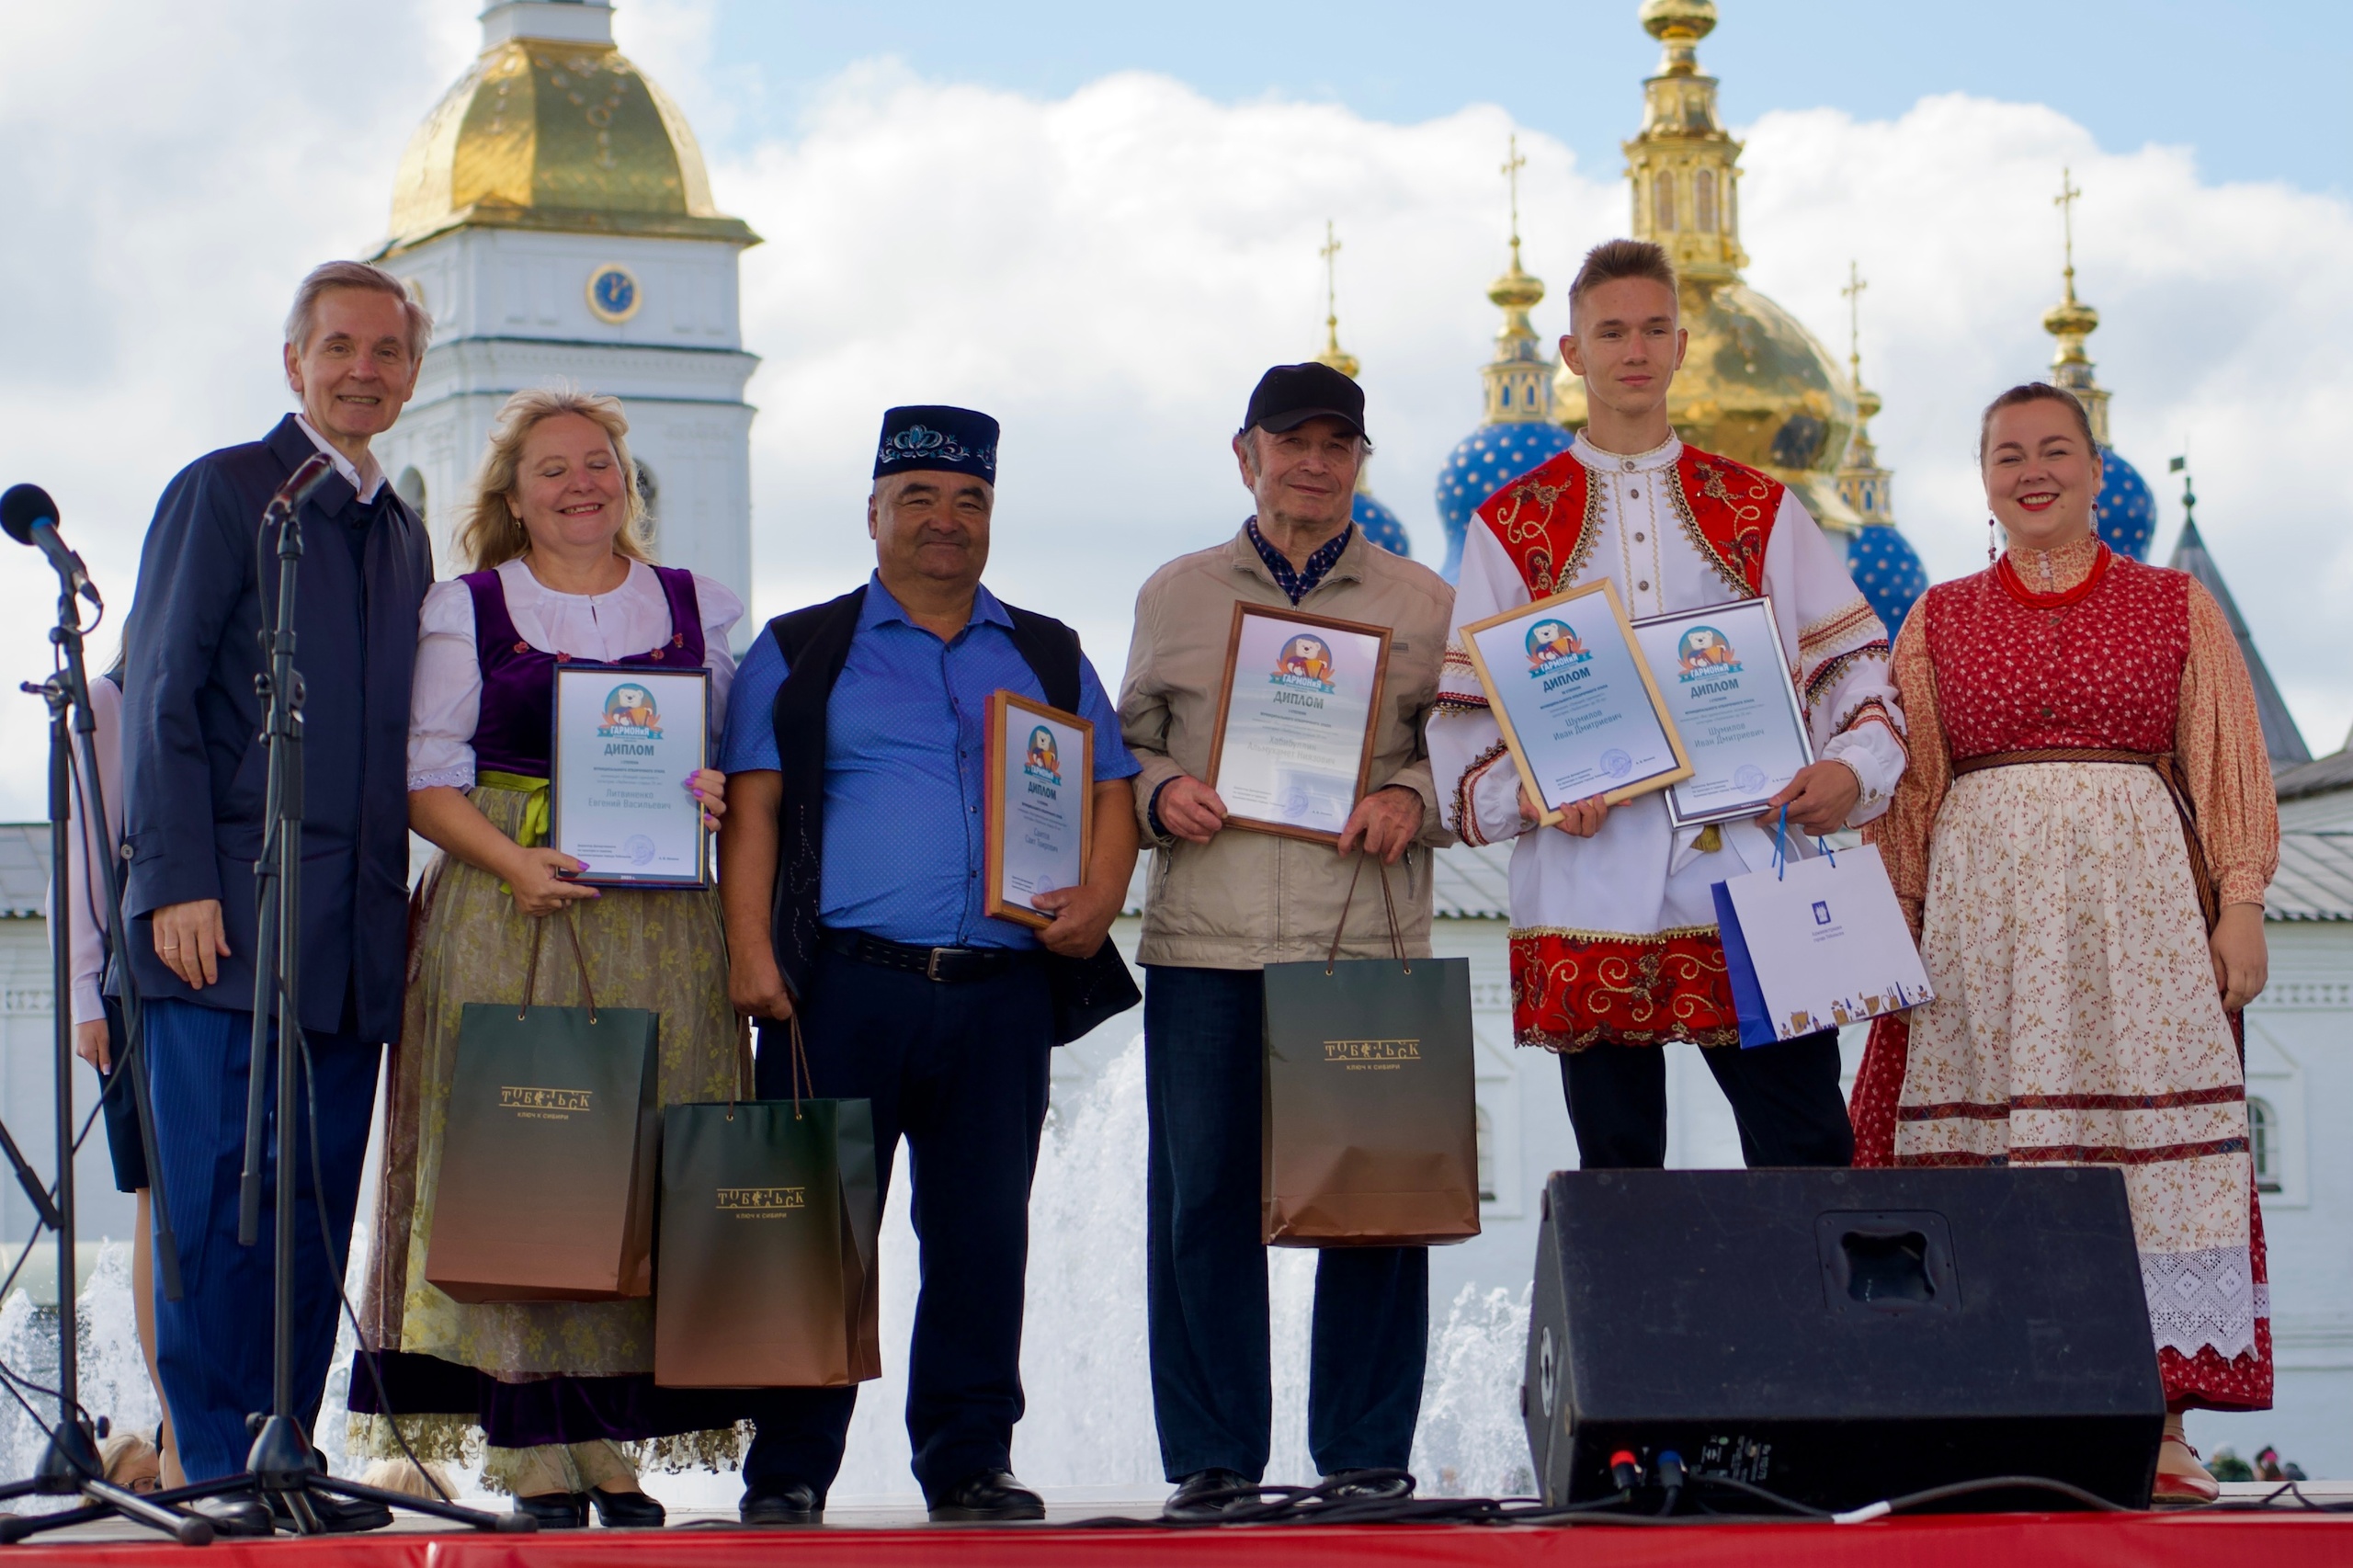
[(68, 1465), (282, 1473)]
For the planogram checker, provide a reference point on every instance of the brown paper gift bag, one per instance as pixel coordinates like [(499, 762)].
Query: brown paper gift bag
[(770, 1212), (546, 1186), (1370, 1124)]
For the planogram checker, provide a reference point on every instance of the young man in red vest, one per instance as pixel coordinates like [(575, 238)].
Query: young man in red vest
[(1614, 951)]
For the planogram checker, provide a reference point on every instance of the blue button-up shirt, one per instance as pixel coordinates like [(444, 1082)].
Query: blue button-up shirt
[(906, 850)]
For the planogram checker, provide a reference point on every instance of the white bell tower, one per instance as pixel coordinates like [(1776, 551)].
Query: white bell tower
[(554, 216)]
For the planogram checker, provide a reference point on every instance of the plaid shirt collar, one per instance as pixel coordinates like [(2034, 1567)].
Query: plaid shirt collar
[(1298, 585)]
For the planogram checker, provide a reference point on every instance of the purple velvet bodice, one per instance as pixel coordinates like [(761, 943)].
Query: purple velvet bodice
[(513, 734)]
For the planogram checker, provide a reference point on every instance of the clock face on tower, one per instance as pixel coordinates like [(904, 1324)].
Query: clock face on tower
[(613, 294)]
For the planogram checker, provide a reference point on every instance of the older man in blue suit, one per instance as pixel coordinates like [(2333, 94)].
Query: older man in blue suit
[(195, 778)]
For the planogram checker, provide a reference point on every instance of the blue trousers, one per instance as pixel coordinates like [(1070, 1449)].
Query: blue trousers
[(213, 1345), (961, 1071), (1212, 1393)]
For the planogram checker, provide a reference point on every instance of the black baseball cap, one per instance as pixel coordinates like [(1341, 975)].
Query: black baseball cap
[(1290, 395)]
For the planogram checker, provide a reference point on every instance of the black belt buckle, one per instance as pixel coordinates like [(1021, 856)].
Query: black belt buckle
[(931, 966)]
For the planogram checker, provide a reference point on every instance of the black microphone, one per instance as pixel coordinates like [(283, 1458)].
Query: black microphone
[(30, 518), (299, 485)]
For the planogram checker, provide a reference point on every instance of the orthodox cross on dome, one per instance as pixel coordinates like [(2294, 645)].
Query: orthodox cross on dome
[(1517, 380), (2069, 194), (1513, 163), (1866, 487), (2071, 321), (1335, 357), (1853, 294)]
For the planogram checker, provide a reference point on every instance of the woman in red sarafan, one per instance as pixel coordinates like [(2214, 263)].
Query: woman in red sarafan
[(2081, 844)]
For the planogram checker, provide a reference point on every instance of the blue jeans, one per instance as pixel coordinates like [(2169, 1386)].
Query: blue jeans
[(213, 1345), (961, 1071), (1203, 1041)]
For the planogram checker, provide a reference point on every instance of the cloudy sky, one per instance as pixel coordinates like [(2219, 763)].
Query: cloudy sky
[(1101, 230)]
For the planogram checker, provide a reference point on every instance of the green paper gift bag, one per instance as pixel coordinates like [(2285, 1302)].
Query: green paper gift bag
[(1370, 1127), (770, 1212), (546, 1186)]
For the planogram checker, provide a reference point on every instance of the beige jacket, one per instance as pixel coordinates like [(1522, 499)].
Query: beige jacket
[(1245, 900)]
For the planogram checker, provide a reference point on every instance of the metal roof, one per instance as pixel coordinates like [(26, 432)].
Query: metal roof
[(2315, 879), (23, 871), (2281, 739)]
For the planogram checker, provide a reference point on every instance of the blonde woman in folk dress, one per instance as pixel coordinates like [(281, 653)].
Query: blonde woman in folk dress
[(561, 1394), (2081, 844)]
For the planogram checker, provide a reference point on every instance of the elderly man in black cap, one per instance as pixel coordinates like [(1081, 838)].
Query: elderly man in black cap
[(1230, 901), (853, 874)]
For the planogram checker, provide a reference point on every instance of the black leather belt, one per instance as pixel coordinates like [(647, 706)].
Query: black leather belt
[(948, 966)]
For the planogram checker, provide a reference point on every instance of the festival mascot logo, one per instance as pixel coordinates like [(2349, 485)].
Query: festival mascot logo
[(630, 714), (1043, 759), (1706, 650), (1306, 661), (1552, 644)]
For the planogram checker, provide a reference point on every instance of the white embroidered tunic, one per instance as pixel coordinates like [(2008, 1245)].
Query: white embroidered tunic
[(1630, 910)]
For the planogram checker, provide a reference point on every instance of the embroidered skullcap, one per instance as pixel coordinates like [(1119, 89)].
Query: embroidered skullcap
[(935, 436)]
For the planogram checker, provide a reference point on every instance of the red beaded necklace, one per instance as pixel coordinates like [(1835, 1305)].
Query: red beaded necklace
[(2014, 585)]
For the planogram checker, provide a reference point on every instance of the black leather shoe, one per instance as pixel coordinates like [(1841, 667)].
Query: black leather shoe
[(1209, 1494), (342, 1515), (235, 1514), (627, 1510), (1367, 1486), (990, 1497), (556, 1510), (781, 1503)]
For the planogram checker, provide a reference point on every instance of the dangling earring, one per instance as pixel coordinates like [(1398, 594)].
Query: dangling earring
[(1989, 542)]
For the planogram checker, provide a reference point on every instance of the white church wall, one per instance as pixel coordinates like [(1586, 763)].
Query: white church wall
[(511, 311)]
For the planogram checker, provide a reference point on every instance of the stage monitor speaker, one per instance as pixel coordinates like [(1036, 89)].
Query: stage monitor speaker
[(1842, 1337)]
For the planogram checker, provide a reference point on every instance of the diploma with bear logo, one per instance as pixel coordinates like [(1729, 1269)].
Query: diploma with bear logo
[(1727, 686), (626, 738), (1040, 804), (1574, 699), (1293, 745)]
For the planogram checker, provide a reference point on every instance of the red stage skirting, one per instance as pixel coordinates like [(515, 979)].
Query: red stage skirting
[(2008, 1541)]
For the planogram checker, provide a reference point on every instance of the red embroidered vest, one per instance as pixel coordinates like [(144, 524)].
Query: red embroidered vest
[(1548, 518), (2103, 674)]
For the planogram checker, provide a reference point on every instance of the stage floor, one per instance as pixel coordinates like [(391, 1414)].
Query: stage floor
[(898, 1537)]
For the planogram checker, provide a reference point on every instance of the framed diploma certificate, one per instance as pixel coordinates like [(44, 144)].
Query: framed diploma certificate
[(1040, 803), (1295, 719), (1727, 688), (625, 739), (1574, 699)]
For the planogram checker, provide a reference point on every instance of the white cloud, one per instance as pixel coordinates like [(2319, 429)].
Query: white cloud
[(1108, 273)]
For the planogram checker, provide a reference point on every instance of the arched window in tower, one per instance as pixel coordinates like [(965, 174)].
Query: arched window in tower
[(1704, 202), (649, 492), (410, 487), (2263, 1143), (1486, 1125), (1663, 200)]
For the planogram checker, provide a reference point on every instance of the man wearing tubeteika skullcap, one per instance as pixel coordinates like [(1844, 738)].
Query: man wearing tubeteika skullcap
[(853, 874)]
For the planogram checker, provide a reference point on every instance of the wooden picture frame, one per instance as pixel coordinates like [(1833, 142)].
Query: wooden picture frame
[(1554, 605), (1284, 627), (660, 769), (1002, 707)]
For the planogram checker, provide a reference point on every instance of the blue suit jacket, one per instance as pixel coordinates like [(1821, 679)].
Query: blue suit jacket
[(194, 769)]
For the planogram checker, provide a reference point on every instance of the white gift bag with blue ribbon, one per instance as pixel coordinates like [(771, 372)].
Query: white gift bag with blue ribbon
[(1814, 943)]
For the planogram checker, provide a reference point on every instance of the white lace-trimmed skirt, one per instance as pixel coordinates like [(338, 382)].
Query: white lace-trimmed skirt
[(2077, 1022)]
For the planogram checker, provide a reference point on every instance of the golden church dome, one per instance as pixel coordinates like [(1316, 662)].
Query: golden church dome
[(1755, 385), (551, 133)]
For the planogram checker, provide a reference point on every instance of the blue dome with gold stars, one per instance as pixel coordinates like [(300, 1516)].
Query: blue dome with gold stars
[(1482, 463), (1888, 570), (1381, 525), (2125, 513)]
